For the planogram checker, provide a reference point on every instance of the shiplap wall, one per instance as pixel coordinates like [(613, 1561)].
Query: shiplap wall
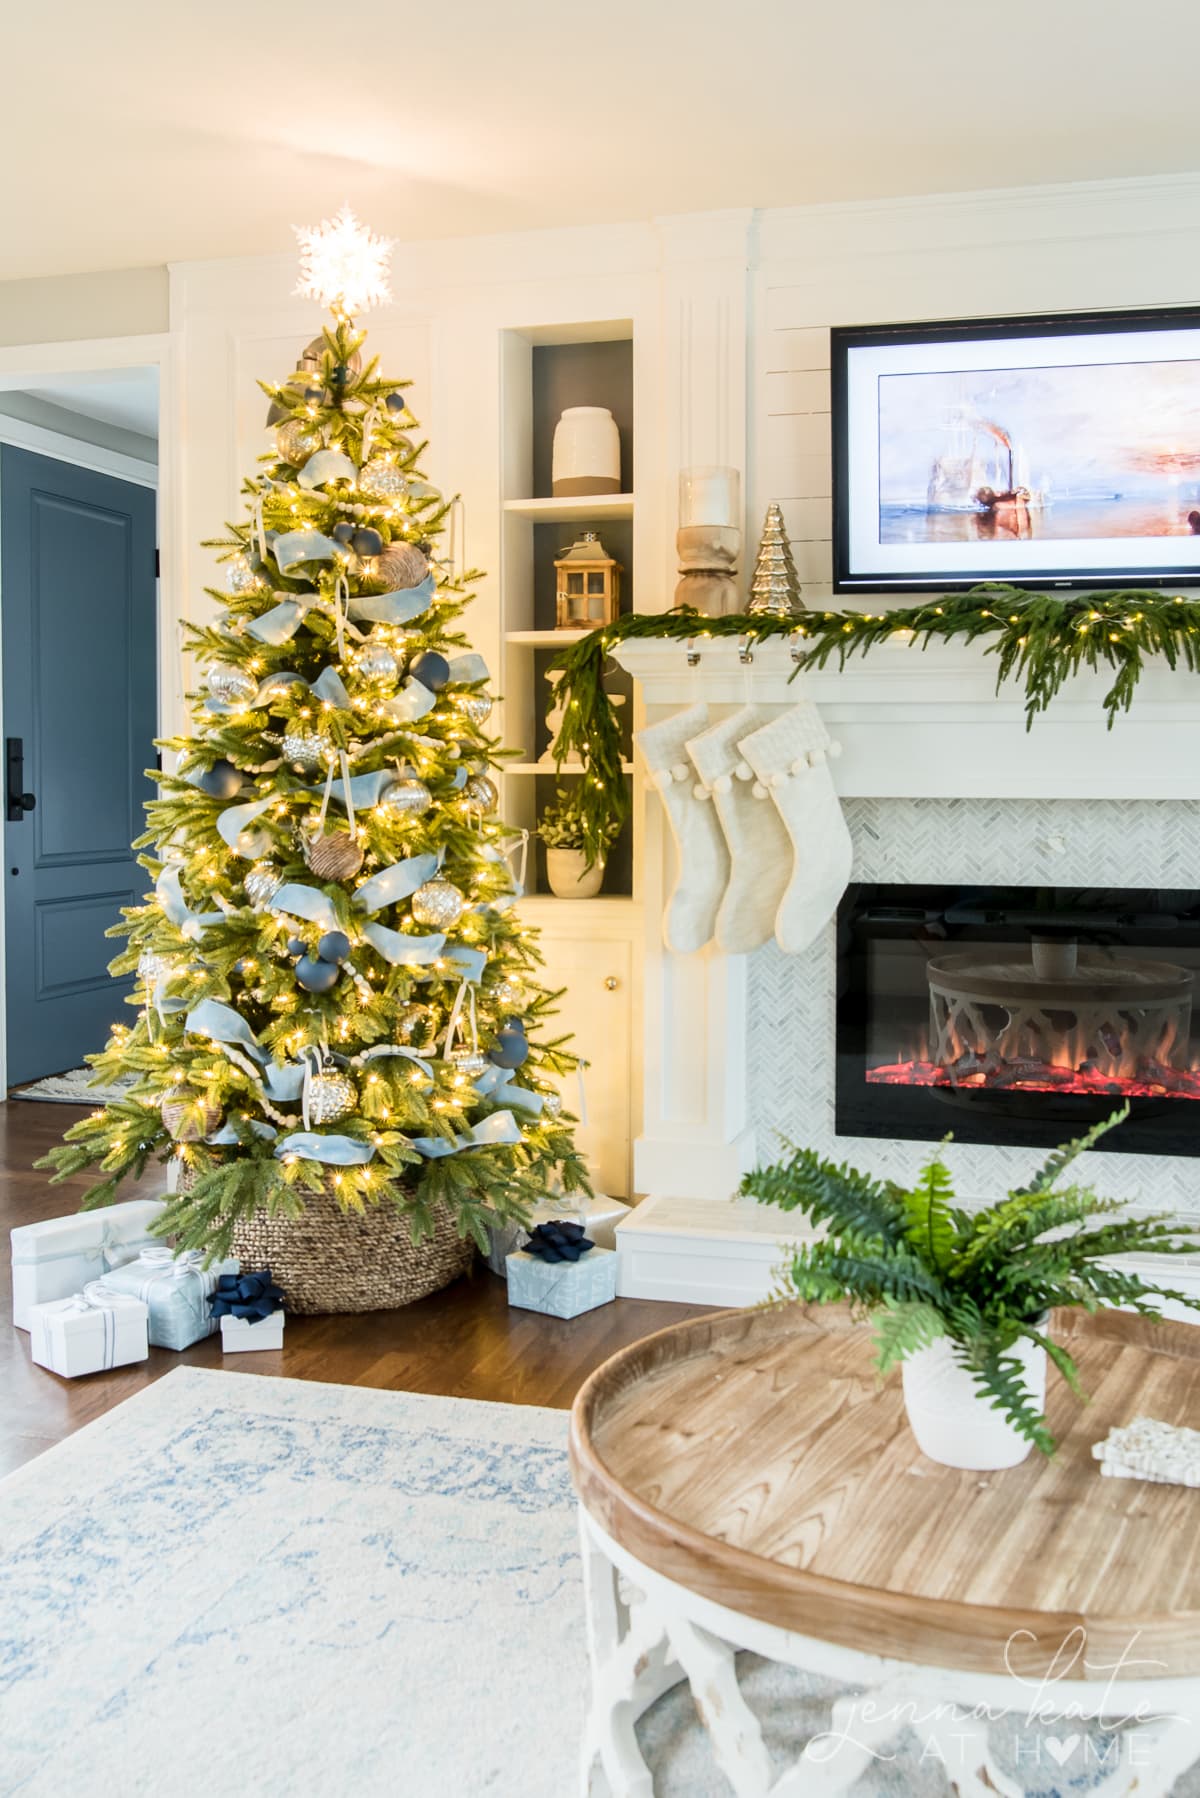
[(1103, 244)]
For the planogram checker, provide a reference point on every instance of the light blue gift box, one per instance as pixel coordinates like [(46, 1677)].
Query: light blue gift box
[(562, 1288), (176, 1289)]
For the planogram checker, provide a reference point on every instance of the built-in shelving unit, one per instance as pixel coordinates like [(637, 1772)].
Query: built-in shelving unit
[(544, 369)]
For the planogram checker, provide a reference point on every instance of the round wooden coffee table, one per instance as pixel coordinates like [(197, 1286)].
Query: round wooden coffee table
[(745, 1483)]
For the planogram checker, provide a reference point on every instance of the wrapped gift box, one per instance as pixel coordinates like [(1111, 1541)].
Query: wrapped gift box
[(88, 1332), (176, 1288), (562, 1288), (59, 1256), (241, 1333), (599, 1216)]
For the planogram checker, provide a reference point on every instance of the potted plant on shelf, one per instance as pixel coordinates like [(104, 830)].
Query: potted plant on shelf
[(562, 831), (961, 1299)]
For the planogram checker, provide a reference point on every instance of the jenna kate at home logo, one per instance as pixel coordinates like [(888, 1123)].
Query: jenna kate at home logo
[(1083, 1715)]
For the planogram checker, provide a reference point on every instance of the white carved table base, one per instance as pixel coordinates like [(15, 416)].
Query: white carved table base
[(643, 1641)]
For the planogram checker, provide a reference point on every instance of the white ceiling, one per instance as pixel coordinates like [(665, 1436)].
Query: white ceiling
[(127, 397), (137, 134)]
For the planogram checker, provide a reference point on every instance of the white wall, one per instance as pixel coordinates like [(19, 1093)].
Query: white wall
[(1102, 244)]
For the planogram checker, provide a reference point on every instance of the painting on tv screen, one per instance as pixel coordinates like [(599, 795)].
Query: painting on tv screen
[(1070, 456)]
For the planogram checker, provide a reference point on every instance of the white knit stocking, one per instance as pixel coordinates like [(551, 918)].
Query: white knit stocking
[(759, 852), (790, 758), (691, 910)]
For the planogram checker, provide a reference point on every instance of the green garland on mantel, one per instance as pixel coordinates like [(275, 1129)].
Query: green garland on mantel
[(1039, 638)]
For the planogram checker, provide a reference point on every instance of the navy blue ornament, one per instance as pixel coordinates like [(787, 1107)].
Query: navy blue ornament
[(343, 532), (366, 541), (395, 402), (340, 375), (509, 1049), (314, 395), (334, 946), (431, 669), (297, 946), (221, 781), (316, 976)]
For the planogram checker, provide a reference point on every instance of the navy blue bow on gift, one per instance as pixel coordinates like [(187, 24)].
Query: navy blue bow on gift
[(558, 1242), (246, 1295)]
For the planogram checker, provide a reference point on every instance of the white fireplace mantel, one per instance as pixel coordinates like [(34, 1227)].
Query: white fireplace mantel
[(929, 723), (913, 724)]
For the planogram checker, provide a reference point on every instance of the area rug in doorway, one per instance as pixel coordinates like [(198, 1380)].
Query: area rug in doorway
[(233, 1581), (72, 1088)]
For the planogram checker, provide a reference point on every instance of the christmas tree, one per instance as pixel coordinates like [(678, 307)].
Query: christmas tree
[(332, 986), (775, 589)]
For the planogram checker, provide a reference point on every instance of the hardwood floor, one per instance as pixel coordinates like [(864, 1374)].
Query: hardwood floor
[(464, 1342)]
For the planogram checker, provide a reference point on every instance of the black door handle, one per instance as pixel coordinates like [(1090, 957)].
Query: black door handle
[(18, 802)]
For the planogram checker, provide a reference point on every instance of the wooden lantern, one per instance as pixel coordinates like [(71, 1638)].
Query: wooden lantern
[(587, 585)]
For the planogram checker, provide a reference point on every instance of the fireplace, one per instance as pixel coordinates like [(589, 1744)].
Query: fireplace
[(1019, 1015)]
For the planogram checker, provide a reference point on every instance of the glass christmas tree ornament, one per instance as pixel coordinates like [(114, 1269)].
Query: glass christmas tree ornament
[(438, 904), (296, 441), (480, 794), (477, 707), (261, 884), (552, 1104), (381, 479), (232, 686), (329, 1095), (469, 1059), (376, 662), (509, 995), (240, 577), (306, 750), (775, 588), (407, 797)]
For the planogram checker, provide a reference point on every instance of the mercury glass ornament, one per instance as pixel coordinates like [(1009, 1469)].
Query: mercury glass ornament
[(469, 1061), (477, 707), (382, 479), (509, 995), (306, 749), (276, 685), (552, 1104), (438, 904), (261, 884), (296, 441), (375, 661), (240, 577), (480, 795), (407, 797), (331, 1095), (232, 686)]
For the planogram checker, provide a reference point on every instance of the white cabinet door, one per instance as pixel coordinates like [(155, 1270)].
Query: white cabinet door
[(597, 1009)]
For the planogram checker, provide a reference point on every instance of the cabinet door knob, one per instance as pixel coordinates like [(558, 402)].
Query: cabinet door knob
[(611, 983)]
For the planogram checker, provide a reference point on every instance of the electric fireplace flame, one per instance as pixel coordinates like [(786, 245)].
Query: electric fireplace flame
[(1052, 1018)]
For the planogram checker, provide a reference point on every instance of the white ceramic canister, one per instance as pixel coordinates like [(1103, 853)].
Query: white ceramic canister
[(587, 452)]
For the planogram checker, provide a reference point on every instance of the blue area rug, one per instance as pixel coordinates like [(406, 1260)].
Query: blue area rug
[(239, 1583)]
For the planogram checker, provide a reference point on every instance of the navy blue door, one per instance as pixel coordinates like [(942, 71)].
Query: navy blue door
[(77, 601)]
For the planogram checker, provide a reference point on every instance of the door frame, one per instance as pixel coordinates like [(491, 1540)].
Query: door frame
[(20, 367)]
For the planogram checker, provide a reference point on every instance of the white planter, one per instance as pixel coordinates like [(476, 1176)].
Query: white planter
[(951, 1422), (569, 875), (587, 452)]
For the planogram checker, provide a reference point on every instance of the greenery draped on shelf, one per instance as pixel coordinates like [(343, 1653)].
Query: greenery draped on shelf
[(1039, 639)]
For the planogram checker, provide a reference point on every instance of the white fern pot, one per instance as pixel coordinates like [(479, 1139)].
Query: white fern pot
[(586, 457), (951, 1422), (569, 875)]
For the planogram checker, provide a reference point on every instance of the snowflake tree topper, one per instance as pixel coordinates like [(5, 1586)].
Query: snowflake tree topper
[(343, 264)]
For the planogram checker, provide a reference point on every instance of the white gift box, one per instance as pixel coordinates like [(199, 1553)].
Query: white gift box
[(177, 1288), (562, 1288), (58, 1257), (599, 1216), (88, 1332), (241, 1333)]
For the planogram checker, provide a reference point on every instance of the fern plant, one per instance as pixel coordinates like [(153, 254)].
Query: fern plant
[(923, 1268)]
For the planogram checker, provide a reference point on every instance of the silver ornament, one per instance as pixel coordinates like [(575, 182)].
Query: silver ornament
[(398, 566), (375, 661), (407, 797), (552, 1104), (382, 479), (306, 749), (232, 686), (331, 1095), (418, 1021), (438, 904), (261, 884), (296, 441), (510, 995), (469, 1061), (240, 577), (477, 707), (480, 795)]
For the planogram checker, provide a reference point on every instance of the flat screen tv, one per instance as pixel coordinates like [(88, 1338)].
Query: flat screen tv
[(1060, 451)]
